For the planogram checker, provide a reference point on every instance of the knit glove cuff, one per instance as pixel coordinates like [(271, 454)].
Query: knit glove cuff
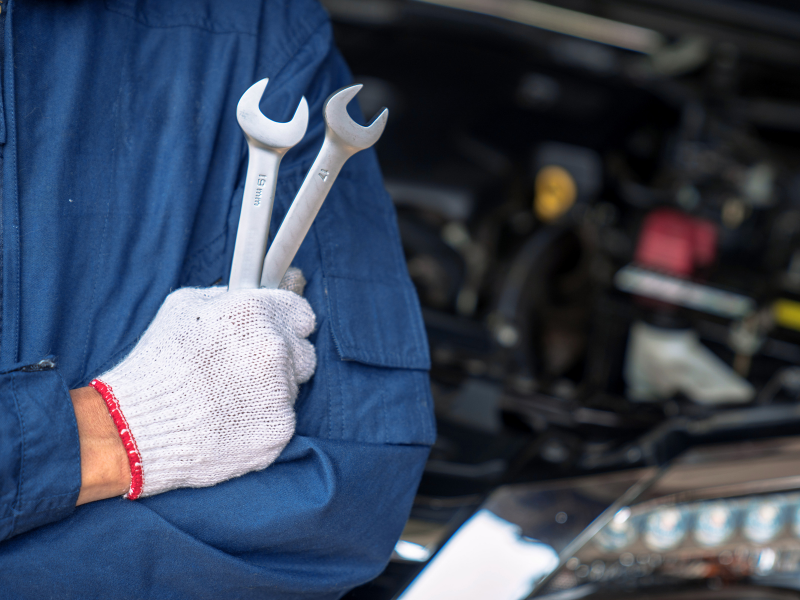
[(208, 392)]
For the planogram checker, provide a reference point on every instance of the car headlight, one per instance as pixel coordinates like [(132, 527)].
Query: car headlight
[(729, 538), (729, 515)]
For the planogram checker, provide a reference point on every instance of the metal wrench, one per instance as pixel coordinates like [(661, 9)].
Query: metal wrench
[(343, 138), (267, 142)]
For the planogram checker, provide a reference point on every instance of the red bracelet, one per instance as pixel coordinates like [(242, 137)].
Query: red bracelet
[(134, 458)]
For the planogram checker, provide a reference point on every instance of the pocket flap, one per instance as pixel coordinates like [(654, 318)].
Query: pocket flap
[(377, 323)]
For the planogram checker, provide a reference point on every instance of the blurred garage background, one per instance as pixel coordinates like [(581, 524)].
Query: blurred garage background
[(599, 202)]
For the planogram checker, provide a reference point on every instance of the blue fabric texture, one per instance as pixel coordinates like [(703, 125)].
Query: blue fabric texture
[(122, 180)]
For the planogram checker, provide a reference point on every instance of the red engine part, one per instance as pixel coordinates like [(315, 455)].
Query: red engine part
[(675, 243)]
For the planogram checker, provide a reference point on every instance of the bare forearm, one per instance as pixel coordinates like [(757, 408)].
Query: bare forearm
[(105, 470)]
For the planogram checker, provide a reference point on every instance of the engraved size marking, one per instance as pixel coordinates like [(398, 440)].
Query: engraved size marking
[(262, 179), (324, 174)]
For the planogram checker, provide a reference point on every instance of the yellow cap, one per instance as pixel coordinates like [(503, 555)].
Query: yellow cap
[(555, 192), (787, 313)]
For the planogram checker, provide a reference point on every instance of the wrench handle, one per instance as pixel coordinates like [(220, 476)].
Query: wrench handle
[(304, 209), (251, 236)]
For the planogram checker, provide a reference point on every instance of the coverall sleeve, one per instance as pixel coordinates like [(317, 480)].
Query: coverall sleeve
[(40, 473)]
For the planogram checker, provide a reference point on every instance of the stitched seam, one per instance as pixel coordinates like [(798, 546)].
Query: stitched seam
[(340, 403), (421, 337), (53, 497), (208, 244), (115, 359), (388, 353), (422, 406), (338, 365), (12, 518), (394, 227), (333, 365), (388, 282), (22, 449), (76, 438), (356, 351), (140, 21), (102, 237), (384, 409), (332, 369), (302, 38), (418, 399), (199, 260), (132, 450), (11, 191), (361, 443), (333, 312)]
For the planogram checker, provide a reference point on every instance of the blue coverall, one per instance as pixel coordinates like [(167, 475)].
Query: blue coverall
[(122, 174)]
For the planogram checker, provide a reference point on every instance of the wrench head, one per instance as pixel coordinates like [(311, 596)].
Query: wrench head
[(267, 133), (339, 122)]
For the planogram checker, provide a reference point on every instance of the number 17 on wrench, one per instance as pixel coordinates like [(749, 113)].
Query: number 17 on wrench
[(343, 138)]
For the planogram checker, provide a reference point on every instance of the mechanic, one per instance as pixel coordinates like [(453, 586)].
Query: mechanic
[(122, 177)]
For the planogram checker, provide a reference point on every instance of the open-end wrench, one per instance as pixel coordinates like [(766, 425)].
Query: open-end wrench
[(267, 142), (343, 138)]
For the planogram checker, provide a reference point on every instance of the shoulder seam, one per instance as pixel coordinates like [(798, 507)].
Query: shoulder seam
[(201, 26), (309, 31)]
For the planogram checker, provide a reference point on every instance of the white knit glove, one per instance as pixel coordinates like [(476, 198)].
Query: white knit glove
[(208, 392)]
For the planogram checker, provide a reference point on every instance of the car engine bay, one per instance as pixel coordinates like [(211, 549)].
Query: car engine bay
[(599, 203)]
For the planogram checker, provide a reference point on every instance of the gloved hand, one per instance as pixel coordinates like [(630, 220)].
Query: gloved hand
[(208, 392)]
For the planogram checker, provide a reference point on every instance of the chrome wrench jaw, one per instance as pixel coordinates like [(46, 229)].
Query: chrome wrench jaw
[(351, 136), (267, 133), (343, 138), (267, 143)]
